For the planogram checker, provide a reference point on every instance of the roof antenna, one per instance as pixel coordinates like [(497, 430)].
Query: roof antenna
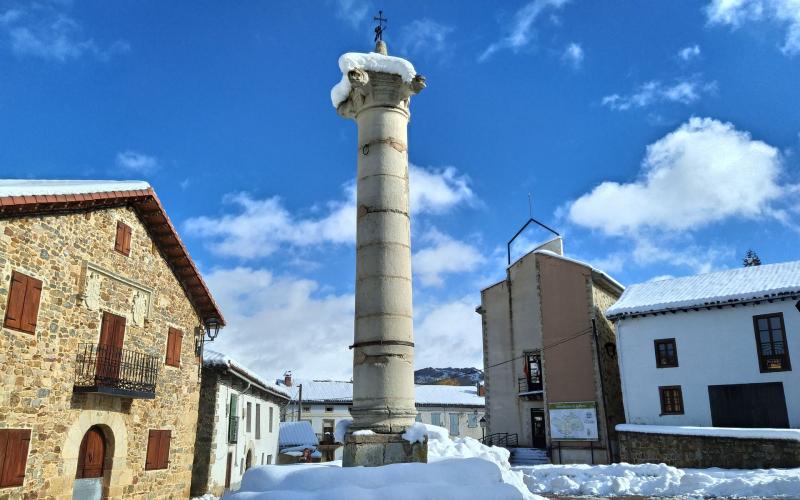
[(530, 207), (530, 219)]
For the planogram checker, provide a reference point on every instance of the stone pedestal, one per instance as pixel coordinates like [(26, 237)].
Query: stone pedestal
[(382, 449), (383, 350)]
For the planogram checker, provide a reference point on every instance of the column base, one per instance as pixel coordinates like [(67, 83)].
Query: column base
[(374, 450)]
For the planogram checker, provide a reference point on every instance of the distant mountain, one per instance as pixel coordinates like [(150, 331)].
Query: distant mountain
[(448, 376)]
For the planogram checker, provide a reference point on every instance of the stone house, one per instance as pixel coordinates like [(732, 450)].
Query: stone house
[(103, 316), (712, 351), (327, 402), (238, 424), (550, 367)]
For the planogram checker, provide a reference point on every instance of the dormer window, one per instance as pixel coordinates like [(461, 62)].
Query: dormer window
[(123, 241)]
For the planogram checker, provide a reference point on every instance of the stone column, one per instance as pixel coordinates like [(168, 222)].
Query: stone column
[(383, 351)]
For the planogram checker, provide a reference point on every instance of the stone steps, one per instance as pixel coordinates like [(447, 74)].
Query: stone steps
[(528, 456)]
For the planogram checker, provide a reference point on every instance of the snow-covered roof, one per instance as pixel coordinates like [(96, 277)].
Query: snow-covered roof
[(334, 391), (218, 359), (33, 187), (733, 432), (745, 284), (369, 62), (297, 434)]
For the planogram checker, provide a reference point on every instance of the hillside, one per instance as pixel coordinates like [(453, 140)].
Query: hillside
[(448, 376)]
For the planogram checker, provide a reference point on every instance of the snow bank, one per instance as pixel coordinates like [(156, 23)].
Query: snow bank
[(734, 432), (660, 480), (370, 62), (456, 469), (341, 429)]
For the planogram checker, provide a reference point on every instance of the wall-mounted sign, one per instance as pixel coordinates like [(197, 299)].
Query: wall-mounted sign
[(573, 421)]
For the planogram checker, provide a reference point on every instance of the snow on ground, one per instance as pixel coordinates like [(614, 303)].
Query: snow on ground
[(660, 480), (456, 469)]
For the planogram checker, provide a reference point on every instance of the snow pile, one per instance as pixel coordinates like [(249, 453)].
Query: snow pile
[(734, 432), (341, 429), (370, 62), (660, 480), (363, 432), (456, 469)]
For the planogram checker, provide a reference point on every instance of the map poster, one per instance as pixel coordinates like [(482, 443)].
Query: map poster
[(573, 421)]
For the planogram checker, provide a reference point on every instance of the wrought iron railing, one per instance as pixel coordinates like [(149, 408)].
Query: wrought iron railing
[(503, 439), (527, 385), (233, 429), (111, 370)]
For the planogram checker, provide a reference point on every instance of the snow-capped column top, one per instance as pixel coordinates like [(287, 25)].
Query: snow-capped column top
[(373, 61)]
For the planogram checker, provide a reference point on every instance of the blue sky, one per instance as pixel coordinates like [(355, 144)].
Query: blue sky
[(660, 138)]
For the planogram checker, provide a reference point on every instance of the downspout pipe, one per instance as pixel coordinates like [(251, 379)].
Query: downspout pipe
[(602, 390)]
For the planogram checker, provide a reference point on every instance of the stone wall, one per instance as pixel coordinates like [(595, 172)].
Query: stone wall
[(707, 451), (82, 275)]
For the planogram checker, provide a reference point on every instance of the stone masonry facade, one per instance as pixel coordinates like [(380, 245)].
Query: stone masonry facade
[(707, 451), (73, 255)]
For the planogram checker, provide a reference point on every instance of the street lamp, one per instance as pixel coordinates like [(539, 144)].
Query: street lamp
[(482, 422), (207, 333)]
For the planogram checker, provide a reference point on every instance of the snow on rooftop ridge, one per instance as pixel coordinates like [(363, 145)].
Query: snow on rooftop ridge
[(215, 358), (369, 62), (721, 287), (342, 392), (32, 187), (732, 432), (297, 434)]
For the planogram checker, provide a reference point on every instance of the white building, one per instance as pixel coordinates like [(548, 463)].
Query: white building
[(238, 424), (326, 402), (712, 350)]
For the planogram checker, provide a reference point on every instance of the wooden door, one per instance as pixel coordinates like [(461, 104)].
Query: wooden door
[(92, 454), (748, 405), (537, 422), (228, 471), (109, 349)]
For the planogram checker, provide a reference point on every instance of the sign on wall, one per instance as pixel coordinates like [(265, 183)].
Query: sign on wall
[(573, 421)]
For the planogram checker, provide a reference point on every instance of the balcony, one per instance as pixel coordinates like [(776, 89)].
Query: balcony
[(527, 386), (109, 370)]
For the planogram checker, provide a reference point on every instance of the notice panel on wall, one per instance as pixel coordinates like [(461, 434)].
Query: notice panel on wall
[(573, 421)]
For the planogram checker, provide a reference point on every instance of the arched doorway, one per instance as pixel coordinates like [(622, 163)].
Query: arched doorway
[(91, 466), (248, 462)]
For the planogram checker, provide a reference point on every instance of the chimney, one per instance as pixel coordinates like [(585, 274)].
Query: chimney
[(287, 379), (481, 390)]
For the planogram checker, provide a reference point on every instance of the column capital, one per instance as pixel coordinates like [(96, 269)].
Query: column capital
[(378, 89)]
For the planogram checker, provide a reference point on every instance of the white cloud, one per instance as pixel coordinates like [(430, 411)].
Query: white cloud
[(133, 161), (44, 32), (354, 12), (262, 226), (448, 334), (573, 55), (521, 32), (684, 91), (699, 259), (736, 12), (424, 36), (689, 53), (704, 172), (443, 255)]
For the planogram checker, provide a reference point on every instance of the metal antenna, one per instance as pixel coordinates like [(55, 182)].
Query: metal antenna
[(530, 207)]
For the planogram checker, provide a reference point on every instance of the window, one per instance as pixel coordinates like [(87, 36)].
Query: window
[(123, 242), (174, 340), (249, 414), (671, 400), (270, 419), (666, 353), (329, 408), (454, 424), (13, 456), (23, 303), (233, 419), (306, 409), (773, 353), (258, 424), (419, 417), (436, 418), (533, 372), (472, 419), (269, 459), (157, 449), (327, 428), (262, 459)]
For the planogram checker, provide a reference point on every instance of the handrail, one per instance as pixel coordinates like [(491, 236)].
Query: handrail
[(103, 368), (503, 439)]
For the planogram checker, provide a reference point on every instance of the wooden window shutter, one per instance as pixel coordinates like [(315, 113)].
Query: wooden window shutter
[(122, 243), (163, 449), (151, 461), (174, 341), (14, 445), (23, 303)]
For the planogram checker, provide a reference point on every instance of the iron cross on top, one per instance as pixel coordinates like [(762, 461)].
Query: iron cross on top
[(379, 28)]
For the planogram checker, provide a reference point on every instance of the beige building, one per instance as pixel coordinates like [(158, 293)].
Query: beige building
[(550, 367), (102, 311)]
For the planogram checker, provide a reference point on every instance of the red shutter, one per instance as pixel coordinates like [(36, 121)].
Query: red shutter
[(126, 246), (151, 460), (16, 299), (168, 358), (174, 340), (122, 243), (163, 449), (31, 308), (14, 445)]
